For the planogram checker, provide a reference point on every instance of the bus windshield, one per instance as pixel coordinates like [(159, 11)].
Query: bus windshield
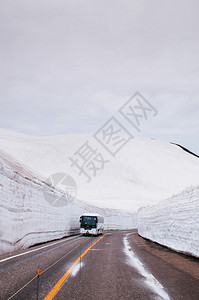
[(88, 222)]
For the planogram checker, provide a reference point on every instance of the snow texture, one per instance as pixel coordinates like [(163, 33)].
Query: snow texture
[(144, 172), (26, 218), (77, 268), (150, 280), (174, 222)]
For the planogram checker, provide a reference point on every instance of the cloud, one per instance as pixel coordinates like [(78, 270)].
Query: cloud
[(67, 65)]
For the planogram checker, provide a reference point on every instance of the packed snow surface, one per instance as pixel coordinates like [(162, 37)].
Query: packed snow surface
[(26, 218), (173, 222), (149, 279), (144, 172)]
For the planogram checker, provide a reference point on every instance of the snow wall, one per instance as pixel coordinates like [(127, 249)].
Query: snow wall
[(26, 218), (174, 222)]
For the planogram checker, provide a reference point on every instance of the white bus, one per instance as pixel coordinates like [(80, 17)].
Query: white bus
[(91, 223)]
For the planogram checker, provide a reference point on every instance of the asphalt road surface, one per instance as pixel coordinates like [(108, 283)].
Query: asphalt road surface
[(118, 265)]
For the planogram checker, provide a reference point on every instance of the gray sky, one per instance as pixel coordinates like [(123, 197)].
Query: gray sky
[(68, 66)]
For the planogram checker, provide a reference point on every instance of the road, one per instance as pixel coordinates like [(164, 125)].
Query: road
[(118, 265)]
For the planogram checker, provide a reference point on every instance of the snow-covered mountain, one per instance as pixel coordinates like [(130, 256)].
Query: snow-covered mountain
[(144, 172)]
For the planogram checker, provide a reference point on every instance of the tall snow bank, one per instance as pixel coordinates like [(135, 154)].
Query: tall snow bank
[(174, 222), (26, 218)]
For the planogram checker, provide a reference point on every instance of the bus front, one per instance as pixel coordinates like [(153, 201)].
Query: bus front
[(88, 225)]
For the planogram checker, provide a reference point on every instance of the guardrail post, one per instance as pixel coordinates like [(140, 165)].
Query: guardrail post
[(38, 274), (80, 262)]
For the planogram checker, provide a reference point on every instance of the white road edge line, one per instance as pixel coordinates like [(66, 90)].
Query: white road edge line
[(41, 273), (27, 252), (151, 281)]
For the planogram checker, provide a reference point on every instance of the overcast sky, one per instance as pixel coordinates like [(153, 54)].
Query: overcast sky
[(68, 66)]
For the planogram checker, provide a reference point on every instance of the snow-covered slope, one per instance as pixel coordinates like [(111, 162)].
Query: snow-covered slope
[(26, 218), (144, 172), (173, 222)]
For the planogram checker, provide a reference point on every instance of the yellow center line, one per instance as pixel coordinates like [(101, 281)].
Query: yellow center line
[(44, 271), (58, 285)]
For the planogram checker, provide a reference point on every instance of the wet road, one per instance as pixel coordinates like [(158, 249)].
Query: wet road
[(118, 265)]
